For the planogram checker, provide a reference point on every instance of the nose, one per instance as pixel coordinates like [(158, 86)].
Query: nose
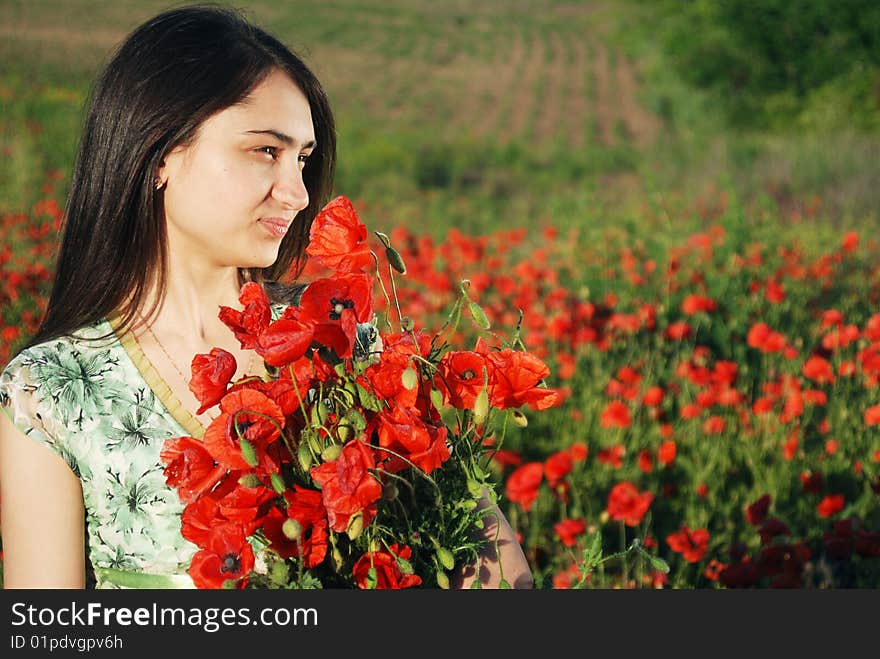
[(290, 189)]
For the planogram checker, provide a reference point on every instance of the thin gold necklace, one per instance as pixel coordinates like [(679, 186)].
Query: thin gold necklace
[(248, 371)]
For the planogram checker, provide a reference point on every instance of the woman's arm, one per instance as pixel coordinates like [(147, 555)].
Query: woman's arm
[(41, 515), (488, 569)]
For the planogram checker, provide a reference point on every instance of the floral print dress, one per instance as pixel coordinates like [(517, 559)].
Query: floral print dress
[(105, 410)]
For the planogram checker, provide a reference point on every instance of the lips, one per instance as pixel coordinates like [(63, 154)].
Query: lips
[(275, 225)]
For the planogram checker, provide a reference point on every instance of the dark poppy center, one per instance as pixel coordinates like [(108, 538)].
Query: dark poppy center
[(231, 564), (242, 426), (337, 306), (468, 374)]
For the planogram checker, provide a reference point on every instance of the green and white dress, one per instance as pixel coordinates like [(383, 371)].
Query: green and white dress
[(104, 408)]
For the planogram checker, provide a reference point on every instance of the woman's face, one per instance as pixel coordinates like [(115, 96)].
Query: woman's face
[(231, 195)]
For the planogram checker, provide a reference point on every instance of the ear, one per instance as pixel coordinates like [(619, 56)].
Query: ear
[(170, 165)]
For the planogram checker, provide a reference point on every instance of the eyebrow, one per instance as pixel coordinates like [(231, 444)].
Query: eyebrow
[(281, 137)]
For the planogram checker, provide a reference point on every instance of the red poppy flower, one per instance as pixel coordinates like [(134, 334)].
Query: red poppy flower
[(695, 303), (557, 467), (646, 461), (507, 458), (772, 528), (246, 504), (517, 376), (307, 508), (211, 374), (612, 456), (335, 307), (253, 415), (286, 339), (872, 415), (568, 529), (579, 451), (830, 505), (347, 486), (386, 568), (615, 414), (249, 323), (460, 377), (338, 239), (227, 557), (403, 431), (626, 503), (757, 512), (692, 545), (189, 467), (522, 484), (653, 396), (666, 453)]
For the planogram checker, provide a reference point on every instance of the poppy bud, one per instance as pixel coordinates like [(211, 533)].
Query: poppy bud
[(436, 398), (330, 453), (249, 480), (304, 455), (520, 419), (410, 378), (445, 557), (277, 483), (248, 452), (407, 324), (442, 580), (389, 492), (336, 557), (478, 315), (481, 406), (395, 260), (280, 573), (343, 432), (291, 529), (355, 526)]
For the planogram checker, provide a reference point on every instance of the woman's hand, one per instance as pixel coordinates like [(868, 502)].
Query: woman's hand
[(508, 563), (41, 515)]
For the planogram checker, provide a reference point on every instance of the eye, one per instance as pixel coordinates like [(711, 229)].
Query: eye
[(304, 157), (269, 150)]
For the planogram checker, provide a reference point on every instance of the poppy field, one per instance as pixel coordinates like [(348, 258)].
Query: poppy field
[(720, 394)]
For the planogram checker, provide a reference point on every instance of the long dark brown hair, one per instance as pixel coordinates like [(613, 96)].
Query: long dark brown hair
[(169, 76)]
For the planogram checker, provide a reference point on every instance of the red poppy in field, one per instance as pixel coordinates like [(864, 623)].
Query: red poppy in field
[(760, 336), (696, 303), (692, 545), (338, 239), (811, 482), (872, 415), (227, 557), (388, 574), (646, 461), (819, 370), (249, 323), (211, 374), (627, 504), (714, 425), (757, 512), (404, 432), (653, 396), (678, 331), (790, 447), (335, 306), (690, 411), (850, 241), (568, 577), (247, 414), (666, 453), (579, 452), (714, 569), (557, 467), (347, 486), (568, 530), (522, 484), (612, 456), (774, 291), (615, 415), (830, 505), (189, 467)]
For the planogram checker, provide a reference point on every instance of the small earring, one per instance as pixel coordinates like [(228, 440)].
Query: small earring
[(158, 183)]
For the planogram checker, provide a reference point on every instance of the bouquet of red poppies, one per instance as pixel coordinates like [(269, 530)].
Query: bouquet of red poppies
[(361, 462)]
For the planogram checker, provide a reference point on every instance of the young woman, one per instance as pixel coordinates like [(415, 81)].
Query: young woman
[(208, 149)]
